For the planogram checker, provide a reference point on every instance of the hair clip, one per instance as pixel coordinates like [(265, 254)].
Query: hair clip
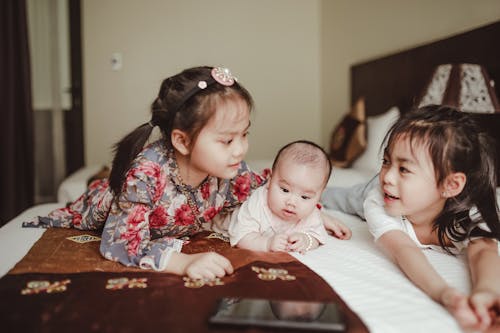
[(223, 76)]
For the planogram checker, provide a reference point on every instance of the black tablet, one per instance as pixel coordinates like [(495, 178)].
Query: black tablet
[(312, 316)]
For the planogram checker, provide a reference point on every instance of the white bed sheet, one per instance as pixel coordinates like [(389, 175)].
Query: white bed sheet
[(376, 289)]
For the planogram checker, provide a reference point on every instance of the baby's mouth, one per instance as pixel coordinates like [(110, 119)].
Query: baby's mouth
[(392, 197)]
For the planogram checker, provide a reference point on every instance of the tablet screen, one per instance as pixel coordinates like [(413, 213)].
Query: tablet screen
[(284, 314)]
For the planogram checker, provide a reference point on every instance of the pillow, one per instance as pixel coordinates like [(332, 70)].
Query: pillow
[(348, 140), (377, 127)]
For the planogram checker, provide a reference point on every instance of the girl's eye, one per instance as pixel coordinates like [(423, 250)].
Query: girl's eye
[(284, 190), (247, 133), (403, 170), (385, 161), (305, 197), (227, 142)]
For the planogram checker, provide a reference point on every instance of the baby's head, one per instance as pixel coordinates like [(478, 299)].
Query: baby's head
[(300, 172)]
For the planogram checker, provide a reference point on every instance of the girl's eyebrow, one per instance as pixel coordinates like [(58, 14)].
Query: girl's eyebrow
[(232, 132)]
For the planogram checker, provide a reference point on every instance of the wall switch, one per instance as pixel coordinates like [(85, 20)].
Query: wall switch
[(116, 61)]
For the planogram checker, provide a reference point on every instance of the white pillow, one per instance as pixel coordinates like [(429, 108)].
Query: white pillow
[(377, 127)]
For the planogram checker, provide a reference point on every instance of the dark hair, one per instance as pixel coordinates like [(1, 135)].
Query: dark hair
[(304, 151), (456, 143), (181, 104)]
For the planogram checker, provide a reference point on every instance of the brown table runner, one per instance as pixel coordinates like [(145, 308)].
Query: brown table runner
[(62, 285)]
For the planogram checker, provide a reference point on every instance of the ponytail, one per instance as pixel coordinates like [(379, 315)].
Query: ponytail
[(125, 152)]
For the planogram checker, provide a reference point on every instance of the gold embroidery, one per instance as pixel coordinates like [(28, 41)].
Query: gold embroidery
[(84, 238), (198, 283), (37, 287), (121, 283), (270, 274)]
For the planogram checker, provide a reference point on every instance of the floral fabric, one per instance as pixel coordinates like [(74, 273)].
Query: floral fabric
[(147, 220)]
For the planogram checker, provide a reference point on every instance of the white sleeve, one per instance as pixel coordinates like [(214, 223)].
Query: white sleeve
[(316, 227), (379, 222), (249, 218)]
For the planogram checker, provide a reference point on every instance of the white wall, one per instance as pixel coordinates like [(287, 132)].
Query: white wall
[(355, 31), (293, 56), (271, 46)]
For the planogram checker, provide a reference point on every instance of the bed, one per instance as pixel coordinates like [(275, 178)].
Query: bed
[(374, 295)]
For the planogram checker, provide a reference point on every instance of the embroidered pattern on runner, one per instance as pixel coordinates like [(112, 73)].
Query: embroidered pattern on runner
[(37, 287)]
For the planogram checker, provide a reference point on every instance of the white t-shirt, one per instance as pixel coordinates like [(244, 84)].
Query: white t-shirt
[(255, 216), (379, 222)]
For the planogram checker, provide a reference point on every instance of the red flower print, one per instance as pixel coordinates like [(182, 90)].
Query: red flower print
[(210, 213), (136, 216), (153, 171), (184, 215), (158, 217), (205, 191), (242, 187), (133, 233), (264, 175), (77, 219), (133, 240)]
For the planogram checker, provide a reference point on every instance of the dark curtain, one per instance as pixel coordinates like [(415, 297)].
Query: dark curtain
[(16, 121)]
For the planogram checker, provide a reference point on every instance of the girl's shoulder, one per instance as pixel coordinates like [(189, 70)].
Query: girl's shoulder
[(156, 152)]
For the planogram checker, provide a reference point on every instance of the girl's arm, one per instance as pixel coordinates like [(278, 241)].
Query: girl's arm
[(412, 261), (207, 265), (484, 264), (338, 229)]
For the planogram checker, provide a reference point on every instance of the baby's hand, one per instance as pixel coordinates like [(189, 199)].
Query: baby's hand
[(278, 242), (337, 228), (208, 265), (458, 305), (486, 306), (298, 242)]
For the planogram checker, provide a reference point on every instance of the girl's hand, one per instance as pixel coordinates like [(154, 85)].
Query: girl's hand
[(278, 242), (337, 228), (207, 265), (486, 306), (458, 305)]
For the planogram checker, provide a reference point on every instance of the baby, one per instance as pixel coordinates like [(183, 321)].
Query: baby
[(284, 214)]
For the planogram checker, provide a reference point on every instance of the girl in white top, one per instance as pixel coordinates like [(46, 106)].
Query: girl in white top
[(437, 188), (284, 214)]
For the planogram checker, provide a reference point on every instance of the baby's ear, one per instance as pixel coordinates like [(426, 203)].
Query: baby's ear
[(180, 140), (454, 184)]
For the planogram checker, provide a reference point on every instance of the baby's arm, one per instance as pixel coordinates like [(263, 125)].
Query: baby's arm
[(484, 263), (339, 229), (256, 242)]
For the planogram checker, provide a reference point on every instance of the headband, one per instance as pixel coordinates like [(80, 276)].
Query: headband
[(221, 75)]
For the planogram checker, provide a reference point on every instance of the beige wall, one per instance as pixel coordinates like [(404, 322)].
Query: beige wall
[(271, 46), (293, 56), (355, 31)]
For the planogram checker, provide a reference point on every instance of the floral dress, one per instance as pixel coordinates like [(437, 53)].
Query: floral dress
[(142, 226)]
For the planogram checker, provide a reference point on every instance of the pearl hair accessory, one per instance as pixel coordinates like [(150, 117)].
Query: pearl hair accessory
[(223, 76)]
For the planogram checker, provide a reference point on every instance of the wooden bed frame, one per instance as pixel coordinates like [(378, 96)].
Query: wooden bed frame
[(399, 79)]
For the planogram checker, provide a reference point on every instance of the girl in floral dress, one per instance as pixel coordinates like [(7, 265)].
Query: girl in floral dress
[(186, 182)]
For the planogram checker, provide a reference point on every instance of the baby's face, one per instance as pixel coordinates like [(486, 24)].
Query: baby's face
[(294, 190)]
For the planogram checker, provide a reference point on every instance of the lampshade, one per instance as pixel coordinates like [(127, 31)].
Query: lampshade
[(466, 87)]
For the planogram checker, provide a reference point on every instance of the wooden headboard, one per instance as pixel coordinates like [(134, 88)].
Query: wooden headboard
[(399, 79)]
